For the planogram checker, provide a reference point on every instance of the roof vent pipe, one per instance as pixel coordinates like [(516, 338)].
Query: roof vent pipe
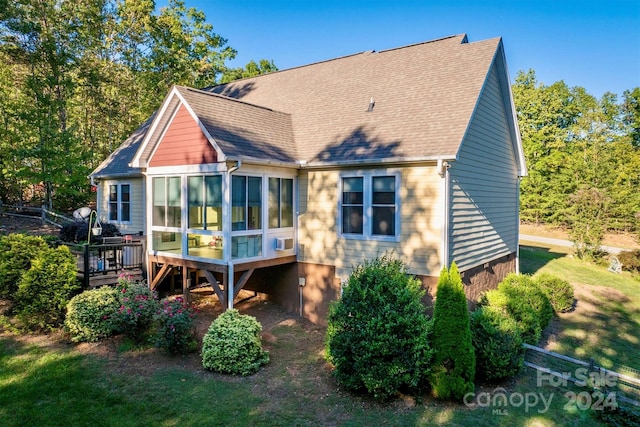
[(371, 105)]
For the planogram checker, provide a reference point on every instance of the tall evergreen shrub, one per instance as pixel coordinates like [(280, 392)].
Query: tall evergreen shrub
[(378, 332), (17, 251), (46, 288), (455, 362)]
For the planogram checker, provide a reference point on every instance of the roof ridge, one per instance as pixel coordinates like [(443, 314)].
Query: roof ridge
[(364, 52), (463, 36)]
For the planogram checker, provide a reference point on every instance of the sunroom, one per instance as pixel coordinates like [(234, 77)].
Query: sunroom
[(221, 183), (222, 217)]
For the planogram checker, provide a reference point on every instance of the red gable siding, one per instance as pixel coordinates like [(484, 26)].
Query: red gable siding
[(183, 144)]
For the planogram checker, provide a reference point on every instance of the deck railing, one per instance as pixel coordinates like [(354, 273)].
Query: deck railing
[(94, 261)]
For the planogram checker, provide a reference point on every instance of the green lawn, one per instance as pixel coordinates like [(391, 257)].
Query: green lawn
[(55, 385), (606, 322)]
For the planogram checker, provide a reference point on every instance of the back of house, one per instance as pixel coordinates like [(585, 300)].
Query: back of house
[(282, 182)]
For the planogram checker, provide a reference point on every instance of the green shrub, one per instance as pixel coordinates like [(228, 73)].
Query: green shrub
[(232, 345), (137, 306), (46, 288), (497, 343), (455, 362), (90, 314), (176, 332), (630, 260), (523, 299), (558, 291), (378, 332), (16, 254)]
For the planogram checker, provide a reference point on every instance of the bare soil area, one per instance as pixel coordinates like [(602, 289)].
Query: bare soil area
[(619, 240), (32, 226)]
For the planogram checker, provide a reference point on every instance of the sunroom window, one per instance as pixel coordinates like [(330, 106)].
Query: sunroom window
[(280, 202), (246, 203), (166, 202), (205, 202)]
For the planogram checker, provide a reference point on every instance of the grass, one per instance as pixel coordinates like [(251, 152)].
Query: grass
[(605, 325), (55, 385), (50, 386)]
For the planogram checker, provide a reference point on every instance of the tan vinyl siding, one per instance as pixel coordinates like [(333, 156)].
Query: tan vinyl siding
[(137, 204), (483, 216), (420, 224)]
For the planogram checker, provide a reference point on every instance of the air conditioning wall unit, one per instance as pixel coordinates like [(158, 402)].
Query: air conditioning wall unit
[(283, 244)]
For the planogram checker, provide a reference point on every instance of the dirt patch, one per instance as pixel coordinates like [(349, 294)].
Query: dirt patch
[(32, 226), (620, 240), (120, 358)]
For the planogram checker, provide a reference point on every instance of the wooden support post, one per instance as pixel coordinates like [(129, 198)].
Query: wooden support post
[(186, 285), (216, 287), (241, 282)]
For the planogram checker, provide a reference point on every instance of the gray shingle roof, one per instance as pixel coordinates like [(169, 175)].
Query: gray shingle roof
[(241, 129), (117, 164), (424, 96)]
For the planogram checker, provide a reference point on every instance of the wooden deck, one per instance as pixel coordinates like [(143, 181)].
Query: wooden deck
[(214, 275), (104, 264)]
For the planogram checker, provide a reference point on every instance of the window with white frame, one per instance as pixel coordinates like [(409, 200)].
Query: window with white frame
[(369, 206), (280, 202), (167, 211), (120, 202), (204, 194), (246, 216)]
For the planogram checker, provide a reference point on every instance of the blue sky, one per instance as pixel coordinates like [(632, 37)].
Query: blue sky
[(593, 44)]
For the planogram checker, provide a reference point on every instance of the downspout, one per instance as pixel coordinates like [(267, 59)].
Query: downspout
[(518, 225), (443, 171), (230, 266)]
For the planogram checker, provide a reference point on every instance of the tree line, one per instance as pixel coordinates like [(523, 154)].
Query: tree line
[(582, 154), (76, 78)]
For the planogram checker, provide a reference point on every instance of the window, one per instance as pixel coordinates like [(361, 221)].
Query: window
[(205, 202), (352, 205), (120, 202), (369, 206), (166, 202), (383, 206), (246, 203), (280, 202)]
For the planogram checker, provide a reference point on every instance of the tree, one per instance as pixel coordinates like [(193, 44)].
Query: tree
[(77, 77), (572, 140), (631, 114), (586, 218)]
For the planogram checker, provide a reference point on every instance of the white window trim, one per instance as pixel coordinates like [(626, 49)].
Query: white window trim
[(367, 176), (119, 202)]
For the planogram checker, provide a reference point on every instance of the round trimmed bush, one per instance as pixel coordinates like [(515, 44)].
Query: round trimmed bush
[(378, 332), (497, 343), (559, 292), (521, 298), (89, 314), (232, 345)]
